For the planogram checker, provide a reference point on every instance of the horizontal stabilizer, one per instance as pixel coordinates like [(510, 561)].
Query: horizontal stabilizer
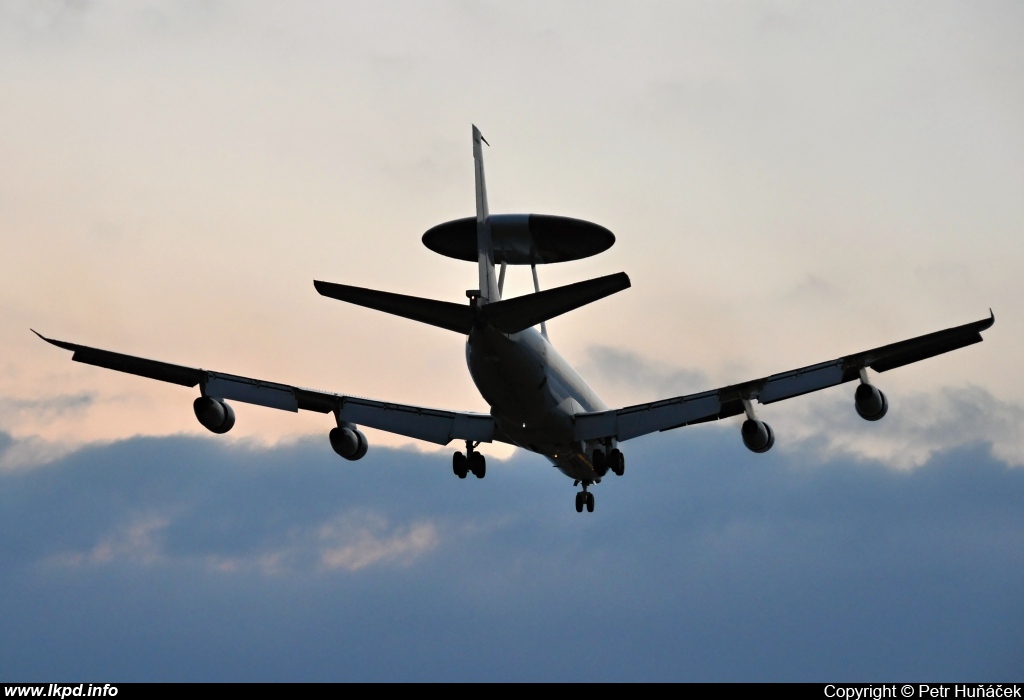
[(443, 314), (514, 315)]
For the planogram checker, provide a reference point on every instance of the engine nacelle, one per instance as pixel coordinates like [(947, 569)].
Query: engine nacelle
[(758, 436), (871, 403), (215, 415), (350, 443)]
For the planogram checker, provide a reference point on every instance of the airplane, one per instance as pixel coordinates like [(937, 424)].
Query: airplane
[(537, 400)]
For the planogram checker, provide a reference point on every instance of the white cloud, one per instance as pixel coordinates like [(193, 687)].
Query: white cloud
[(350, 543), (352, 546), (133, 543)]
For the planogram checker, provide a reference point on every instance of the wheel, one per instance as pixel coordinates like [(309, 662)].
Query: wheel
[(579, 502), (459, 465), (618, 462), (478, 465), (590, 502), (600, 462)]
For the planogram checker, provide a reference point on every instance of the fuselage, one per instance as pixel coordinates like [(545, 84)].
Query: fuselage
[(534, 394)]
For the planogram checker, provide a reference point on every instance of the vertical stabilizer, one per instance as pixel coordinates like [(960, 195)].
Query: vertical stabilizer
[(489, 290)]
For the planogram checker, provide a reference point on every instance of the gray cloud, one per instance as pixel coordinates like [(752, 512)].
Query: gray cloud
[(33, 450), (917, 426), (49, 406), (49, 16), (182, 558), (626, 369)]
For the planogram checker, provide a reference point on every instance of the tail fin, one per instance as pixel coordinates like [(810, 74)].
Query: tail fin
[(489, 289)]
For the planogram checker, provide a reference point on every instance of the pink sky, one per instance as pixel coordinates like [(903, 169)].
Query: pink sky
[(787, 183)]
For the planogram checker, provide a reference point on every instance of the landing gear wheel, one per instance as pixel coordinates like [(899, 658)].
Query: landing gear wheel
[(590, 502), (617, 462), (579, 502), (459, 465), (477, 464), (600, 463)]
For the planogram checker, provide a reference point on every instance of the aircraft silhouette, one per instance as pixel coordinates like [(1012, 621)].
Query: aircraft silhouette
[(537, 400)]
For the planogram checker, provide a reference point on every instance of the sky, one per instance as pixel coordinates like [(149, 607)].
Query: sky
[(788, 182)]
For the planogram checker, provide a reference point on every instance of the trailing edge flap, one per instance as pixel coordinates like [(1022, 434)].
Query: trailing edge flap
[(514, 315), (443, 314)]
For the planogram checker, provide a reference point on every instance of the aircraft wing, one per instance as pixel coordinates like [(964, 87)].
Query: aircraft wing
[(433, 425), (641, 419)]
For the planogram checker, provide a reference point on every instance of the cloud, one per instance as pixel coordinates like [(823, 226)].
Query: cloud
[(29, 452), (356, 547), (33, 450), (41, 18), (624, 368), (917, 426), (148, 558), (47, 406), (348, 543), (133, 543)]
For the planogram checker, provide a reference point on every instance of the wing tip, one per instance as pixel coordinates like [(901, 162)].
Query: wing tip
[(988, 322), (58, 343), (43, 337)]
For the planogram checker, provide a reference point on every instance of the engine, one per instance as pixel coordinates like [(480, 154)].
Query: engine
[(758, 436), (349, 442), (215, 415), (870, 402)]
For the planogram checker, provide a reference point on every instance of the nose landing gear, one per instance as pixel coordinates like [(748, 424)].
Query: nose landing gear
[(472, 461), (584, 498)]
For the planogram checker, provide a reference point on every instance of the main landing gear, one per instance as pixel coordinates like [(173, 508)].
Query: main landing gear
[(614, 461), (472, 461), (602, 462), (585, 498)]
